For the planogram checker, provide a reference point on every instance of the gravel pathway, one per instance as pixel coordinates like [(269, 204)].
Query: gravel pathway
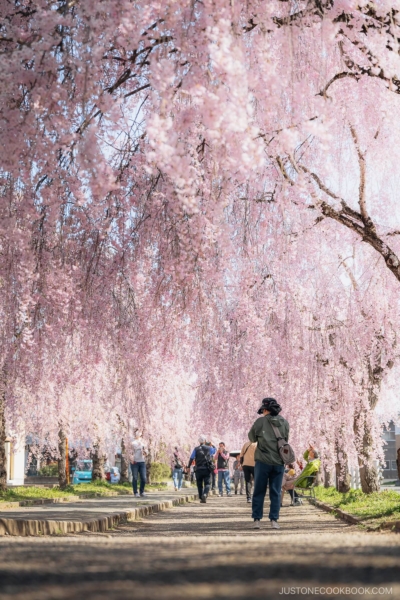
[(207, 551)]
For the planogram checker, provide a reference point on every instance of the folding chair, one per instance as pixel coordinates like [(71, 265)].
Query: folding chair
[(309, 490)]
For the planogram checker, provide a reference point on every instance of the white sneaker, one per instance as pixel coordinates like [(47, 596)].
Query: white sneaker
[(257, 524), (275, 525), (137, 495), (142, 495)]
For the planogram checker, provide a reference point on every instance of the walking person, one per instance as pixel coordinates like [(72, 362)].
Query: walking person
[(238, 476), (202, 455), (269, 466), (177, 469), (222, 458), (248, 462), (138, 464)]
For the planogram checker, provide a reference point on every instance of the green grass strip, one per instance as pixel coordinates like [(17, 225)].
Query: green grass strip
[(366, 506)]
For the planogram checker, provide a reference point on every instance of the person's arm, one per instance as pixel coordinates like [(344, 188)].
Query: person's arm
[(144, 450), (252, 434), (192, 457)]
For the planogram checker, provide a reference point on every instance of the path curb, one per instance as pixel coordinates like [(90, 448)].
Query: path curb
[(392, 525), (60, 500), (339, 513), (38, 527)]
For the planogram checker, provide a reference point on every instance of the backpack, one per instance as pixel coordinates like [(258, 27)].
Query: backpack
[(285, 450), (208, 464), (242, 457)]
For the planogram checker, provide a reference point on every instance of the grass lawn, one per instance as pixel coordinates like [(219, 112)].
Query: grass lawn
[(380, 506), (16, 494)]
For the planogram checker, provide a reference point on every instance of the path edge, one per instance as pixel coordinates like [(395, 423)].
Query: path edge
[(41, 527), (392, 525)]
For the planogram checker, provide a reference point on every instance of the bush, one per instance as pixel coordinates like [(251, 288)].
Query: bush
[(48, 471), (160, 472)]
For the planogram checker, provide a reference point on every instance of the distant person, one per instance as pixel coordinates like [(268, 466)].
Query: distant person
[(238, 476), (269, 467), (213, 451), (248, 463), (201, 454), (177, 469), (192, 472), (288, 482), (222, 459), (138, 464)]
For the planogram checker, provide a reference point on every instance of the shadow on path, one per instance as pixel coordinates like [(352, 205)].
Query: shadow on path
[(203, 552)]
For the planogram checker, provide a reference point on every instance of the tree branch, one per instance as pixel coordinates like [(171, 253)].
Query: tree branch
[(355, 221), (361, 188)]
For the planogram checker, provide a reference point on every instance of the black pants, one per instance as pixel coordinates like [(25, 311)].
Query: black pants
[(213, 480), (293, 494), (248, 477), (203, 478)]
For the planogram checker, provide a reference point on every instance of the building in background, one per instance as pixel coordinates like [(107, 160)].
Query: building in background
[(391, 435), (15, 460)]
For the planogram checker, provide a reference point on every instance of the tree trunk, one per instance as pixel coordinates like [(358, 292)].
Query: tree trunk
[(124, 464), (98, 463), (319, 480), (343, 478), (369, 479), (149, 460), (369, 475), (3, 457), (62, 461), (328, 478)]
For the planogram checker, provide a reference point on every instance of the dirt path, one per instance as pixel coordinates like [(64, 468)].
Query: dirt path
[(205, 552)]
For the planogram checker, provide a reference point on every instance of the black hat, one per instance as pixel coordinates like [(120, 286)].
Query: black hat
[(271, 405)]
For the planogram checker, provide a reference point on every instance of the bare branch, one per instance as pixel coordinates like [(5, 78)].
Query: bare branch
[(361, 188), (283, 170), (341, 75), (353, 220)]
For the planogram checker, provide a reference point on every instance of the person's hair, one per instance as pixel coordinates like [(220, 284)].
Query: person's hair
[(291, 466), (271, 405), (223, 443), (316, 453)]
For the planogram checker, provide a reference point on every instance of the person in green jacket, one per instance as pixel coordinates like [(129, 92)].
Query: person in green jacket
[(312, 467)]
